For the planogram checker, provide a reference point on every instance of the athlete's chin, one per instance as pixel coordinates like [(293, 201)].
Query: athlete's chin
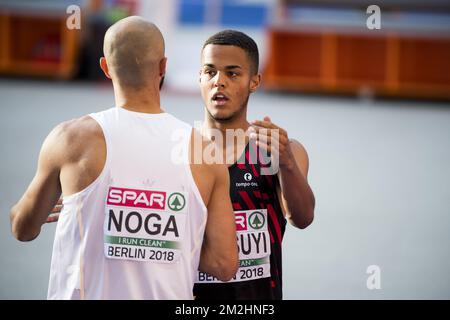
[(220, 115)]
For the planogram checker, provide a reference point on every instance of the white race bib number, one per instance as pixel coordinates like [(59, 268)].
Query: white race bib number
[(144, 225), (254, 247)]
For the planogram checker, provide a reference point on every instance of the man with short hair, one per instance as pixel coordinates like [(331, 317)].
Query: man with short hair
[(135, 224), (262, 200)]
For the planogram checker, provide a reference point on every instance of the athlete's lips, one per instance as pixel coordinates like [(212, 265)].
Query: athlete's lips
[(219, 98)]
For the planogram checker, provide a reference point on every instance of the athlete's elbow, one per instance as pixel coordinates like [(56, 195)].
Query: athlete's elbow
[(20, 230), (228, 267), (307, 216), (306, 222), (222, 264), (23, 234), (303, 219)]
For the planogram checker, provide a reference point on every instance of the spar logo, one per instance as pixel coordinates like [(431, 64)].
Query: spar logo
[(146, 199), (256, 220), (176, 201)]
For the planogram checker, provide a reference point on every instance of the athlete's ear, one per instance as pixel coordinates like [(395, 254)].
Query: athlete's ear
[(104, 67), (162, 66), (255, 81)]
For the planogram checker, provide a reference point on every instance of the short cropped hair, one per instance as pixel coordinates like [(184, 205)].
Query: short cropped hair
[(238, 39)]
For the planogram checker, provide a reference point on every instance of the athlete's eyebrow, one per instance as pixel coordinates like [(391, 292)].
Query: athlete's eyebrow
[(232, 67), (210, 65)]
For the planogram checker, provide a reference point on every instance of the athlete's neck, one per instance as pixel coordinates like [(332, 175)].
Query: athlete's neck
[(239, 122), (232, 143), (145, 101)]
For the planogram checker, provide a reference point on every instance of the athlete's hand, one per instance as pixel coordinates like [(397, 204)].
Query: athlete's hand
[(54, 215), (274, 139)]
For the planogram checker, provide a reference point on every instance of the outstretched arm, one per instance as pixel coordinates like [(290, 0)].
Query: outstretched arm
[(32, 210)]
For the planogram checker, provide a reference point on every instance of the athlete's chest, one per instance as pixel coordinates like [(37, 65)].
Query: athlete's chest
[(247, 183)]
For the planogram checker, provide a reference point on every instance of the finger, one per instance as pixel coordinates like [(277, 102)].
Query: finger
[(267, 145), (273, 137), (276, 131), (260, 135), (265, 139), (52, 218), (60, 201), (265, 124), (270, 137), (268, 124), (271, 141), (282, 140), (57, 209), (265, 131)]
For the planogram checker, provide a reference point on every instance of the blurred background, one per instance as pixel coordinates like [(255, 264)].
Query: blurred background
[(372, 108)]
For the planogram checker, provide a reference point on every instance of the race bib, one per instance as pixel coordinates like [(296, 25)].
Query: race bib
[(144, 225), (254, 247)]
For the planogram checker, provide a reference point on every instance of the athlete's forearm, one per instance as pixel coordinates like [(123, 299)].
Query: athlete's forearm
[(222, 266), (32, 210), (299, 197)]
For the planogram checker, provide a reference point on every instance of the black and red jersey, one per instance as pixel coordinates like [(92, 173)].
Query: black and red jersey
[(254, 194)]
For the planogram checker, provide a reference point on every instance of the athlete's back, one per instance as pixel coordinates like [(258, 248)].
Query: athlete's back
[(143, 212)]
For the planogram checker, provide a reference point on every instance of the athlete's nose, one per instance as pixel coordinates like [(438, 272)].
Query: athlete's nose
[(219, 80)]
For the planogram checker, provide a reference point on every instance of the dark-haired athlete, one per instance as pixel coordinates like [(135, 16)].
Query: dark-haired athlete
[(136, 224), (228, 75), (261, 202)]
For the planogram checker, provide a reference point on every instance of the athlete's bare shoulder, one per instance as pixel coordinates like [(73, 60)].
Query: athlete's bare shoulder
[(78, 149), (76, 130), (70, 139)]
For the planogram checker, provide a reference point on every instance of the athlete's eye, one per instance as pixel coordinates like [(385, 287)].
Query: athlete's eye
[(232, 74), (210, 72)]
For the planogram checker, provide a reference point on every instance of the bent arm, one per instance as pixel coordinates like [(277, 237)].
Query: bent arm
[(297, 198), (32, 210), (219, 255)]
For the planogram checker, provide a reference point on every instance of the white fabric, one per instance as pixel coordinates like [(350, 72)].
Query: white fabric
[(108, 243)]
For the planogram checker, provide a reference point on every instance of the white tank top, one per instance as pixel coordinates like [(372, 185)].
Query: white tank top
[(136, 232)]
